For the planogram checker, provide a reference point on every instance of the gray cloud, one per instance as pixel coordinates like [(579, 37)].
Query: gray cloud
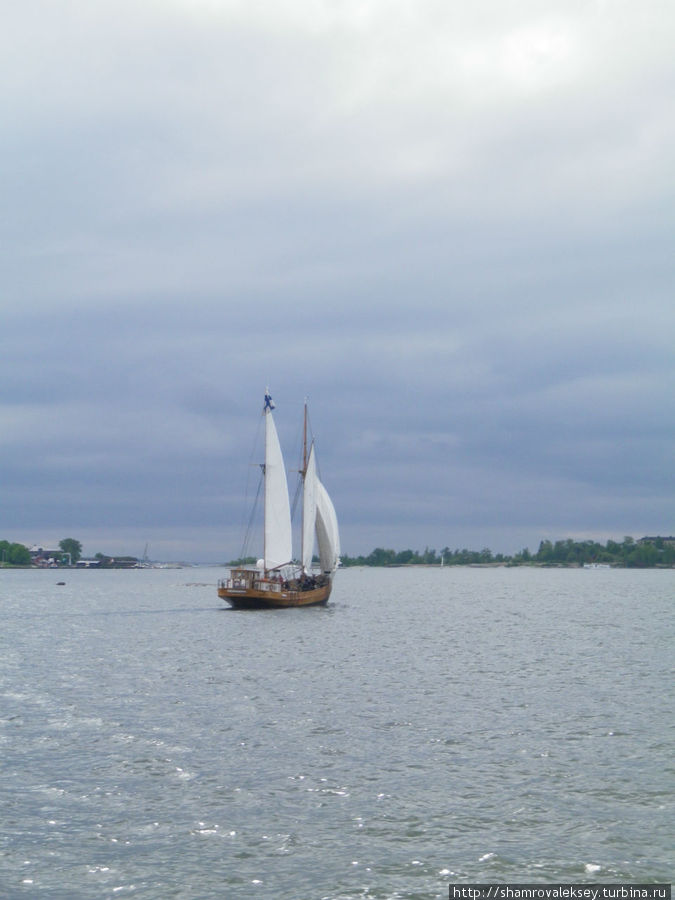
[(451, 227)]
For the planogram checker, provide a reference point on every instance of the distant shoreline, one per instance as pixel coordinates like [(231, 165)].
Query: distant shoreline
[(528, 565), (644, 553), (491, 565)]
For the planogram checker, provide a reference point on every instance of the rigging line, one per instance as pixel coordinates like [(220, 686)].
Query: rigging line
[(296, 497), (298, 453), (249, 527), (310, 433), (245, 528), (299, 441), (310, 443)]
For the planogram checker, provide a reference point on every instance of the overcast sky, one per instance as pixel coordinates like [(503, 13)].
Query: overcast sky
[(449, 225)]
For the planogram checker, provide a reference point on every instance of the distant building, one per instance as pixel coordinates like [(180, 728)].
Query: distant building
[(45, 558)]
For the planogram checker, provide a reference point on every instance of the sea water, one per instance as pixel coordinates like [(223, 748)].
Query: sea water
[(428, 727)]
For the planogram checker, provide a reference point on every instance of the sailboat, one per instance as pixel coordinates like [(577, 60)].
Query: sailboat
[(278, 581)]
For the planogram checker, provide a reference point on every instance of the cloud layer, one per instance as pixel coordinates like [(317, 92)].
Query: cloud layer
[(450, 227)]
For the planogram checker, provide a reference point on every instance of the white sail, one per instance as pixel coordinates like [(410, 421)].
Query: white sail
[(309, 511), (328, 536), (278, 533)]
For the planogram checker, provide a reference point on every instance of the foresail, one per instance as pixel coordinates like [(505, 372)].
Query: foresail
[(278, 533), (309, 511), (327, 534)]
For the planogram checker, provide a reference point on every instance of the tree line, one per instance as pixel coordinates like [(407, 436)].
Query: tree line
[(644, 553), (647, 552), (12, 554)]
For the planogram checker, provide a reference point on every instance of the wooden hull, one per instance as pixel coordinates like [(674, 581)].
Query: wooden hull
[(252, 598)]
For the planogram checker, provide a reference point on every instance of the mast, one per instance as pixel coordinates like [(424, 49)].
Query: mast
[(267, 408), (303, 473), (304, 441), (309, 497)]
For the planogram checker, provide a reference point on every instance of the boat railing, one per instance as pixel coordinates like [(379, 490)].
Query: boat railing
[(249, 579)]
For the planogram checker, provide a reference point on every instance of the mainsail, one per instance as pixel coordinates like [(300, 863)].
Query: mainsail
[(318, 513), (278, 531), (309, 511), (328, 536)]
